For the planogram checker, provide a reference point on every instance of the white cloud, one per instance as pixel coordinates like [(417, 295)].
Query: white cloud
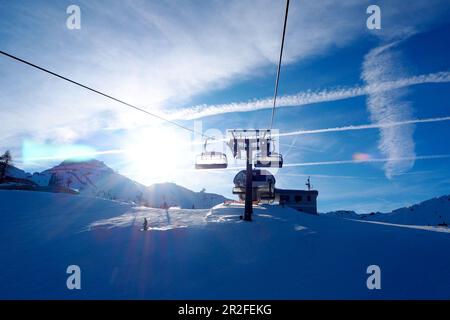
[(310, 97), (379, 125), (370, 160), (157, 55), (396, 142)]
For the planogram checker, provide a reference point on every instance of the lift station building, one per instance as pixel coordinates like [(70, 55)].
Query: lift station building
[(264, 191)]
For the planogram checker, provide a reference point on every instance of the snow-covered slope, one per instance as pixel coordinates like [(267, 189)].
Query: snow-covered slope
[(94, 178), (343, 214), (14, 172), (40, 179), (432, 212), (428, 213), (209, 254), (178, 196)]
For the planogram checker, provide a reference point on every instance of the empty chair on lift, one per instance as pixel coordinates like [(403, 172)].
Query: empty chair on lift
[(267, 158), (271, 160), (211, 159)]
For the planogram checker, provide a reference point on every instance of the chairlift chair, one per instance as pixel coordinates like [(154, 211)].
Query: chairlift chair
[(211, 159), (270, 160), (267, 158)]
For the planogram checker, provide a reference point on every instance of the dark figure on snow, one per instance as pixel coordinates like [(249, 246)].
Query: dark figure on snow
[(166, 207), (145, 224)]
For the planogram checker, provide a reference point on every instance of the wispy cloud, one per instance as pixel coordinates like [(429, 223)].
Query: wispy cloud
[(396, 142), (161, 54), (352, 161), (370, 160), (152, 54), (328, 176), (309, 97), (365, 126)]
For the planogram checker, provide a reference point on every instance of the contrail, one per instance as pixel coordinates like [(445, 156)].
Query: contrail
[(339, 162), (307, 97), (325, 176), (365, 126), (349, 128), (326, 163)]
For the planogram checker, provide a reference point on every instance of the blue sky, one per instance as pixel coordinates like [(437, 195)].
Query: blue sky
[(212, 65)]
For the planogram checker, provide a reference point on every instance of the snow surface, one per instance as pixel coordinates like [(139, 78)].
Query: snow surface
[(431, 212), (209, 254)]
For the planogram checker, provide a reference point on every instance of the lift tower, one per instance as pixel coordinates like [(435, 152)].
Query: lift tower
[(245, 143), (248, 183)]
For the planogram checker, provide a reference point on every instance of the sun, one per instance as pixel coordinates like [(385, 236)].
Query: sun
[(157, 154)]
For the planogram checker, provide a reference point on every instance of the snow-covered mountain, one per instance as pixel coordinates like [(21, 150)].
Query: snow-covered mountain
[(433, 212), (94, 178), (14, 172), (209, 253)]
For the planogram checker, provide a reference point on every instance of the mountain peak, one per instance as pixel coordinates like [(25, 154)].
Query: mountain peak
[(86, 164), (90, 161), (95, 178)]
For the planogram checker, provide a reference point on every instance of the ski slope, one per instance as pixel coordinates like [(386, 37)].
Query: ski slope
[(209, 254)]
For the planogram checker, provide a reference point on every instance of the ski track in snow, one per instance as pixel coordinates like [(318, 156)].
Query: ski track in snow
[(158, 219), (174, 218), (426, 228)]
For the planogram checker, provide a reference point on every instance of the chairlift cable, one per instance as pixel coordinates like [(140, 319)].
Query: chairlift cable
[(279, 65), (102, 94)]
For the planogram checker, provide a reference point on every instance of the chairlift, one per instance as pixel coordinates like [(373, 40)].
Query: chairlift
[(268, 158), (211, 159), (271, 160)]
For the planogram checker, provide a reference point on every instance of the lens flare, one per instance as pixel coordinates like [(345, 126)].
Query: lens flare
[(34, 151), (359, 156)]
